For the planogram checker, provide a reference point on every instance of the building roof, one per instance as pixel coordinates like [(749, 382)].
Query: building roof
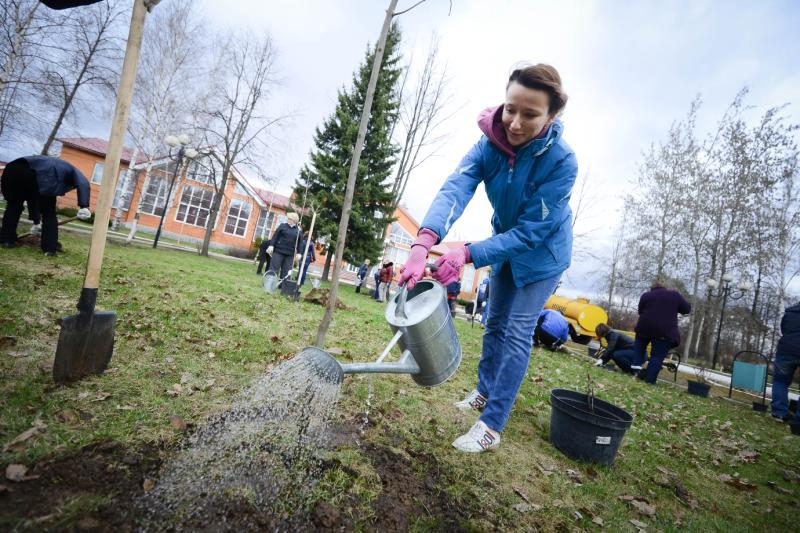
[(269, 197), (99, 147)]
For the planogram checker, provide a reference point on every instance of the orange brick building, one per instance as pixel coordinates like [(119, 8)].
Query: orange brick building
[(246, 212)]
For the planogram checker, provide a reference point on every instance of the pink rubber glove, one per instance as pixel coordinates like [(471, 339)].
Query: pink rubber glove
[(414, 268), (450, 265)]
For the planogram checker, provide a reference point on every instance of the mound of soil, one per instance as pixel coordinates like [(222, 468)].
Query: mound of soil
[(322, 297), (405, 496), (100, 470)]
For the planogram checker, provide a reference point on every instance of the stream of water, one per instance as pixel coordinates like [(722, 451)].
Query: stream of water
[(254, 465)]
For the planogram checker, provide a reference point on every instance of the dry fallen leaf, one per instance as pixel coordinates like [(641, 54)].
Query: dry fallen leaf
[(16, 472), (644, 508), (597, 520), (177, 422), (636, 523), (69, 416), (101, 396), (16, 443), (575, 476), (148, 484)]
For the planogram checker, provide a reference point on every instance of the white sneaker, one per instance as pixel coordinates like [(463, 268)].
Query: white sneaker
[(474, 400), (478, 439), (636, 367)]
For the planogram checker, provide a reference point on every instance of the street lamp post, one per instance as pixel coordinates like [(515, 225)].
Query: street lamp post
[(724, 291), (179, 142)]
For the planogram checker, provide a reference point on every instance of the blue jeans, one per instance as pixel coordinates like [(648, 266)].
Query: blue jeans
[(658, 351), (785, 366), (513, 312), (485, 312), (622, 358)]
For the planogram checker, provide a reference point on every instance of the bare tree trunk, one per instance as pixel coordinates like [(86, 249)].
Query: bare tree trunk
[(351, 178)]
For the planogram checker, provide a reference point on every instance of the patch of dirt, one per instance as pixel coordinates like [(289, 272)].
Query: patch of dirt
[(104, 469), (406, 496), (322, 297)]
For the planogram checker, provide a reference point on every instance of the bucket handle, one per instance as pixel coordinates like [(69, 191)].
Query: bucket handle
[(400, 309), (590, 392)]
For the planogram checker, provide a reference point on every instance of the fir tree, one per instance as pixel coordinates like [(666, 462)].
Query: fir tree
[(326, 173)]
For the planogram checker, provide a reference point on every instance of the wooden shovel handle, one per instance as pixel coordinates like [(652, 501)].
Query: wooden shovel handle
[(111, 168)]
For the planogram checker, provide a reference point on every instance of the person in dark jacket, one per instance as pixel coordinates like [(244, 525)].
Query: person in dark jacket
[(787, 361), (658, 327), (361, 277), (452, 294), (311, 256), (551, 330), (284, 247), (619, 348), (39, 181), (262, 257)]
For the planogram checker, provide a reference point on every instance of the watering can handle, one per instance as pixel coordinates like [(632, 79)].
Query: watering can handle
[(400, 310)]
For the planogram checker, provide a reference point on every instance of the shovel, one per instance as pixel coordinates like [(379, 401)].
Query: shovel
[(86, 341), (60, 223)]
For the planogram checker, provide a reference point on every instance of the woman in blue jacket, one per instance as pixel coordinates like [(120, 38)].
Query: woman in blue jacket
[(528, 171)]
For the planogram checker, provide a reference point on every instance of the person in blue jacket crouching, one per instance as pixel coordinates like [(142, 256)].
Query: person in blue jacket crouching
[(528, 171), (552, 330)]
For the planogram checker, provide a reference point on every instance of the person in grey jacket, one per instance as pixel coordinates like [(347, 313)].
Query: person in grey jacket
[(39, 181), (284, 246)]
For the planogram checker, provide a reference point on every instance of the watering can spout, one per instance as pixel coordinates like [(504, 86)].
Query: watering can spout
[(406, 365)]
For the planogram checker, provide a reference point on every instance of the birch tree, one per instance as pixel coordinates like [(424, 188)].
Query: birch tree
[(170, 65), (89, 57), (235, 123)]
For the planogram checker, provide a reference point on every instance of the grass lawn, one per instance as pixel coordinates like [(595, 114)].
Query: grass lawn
[(192, 332)]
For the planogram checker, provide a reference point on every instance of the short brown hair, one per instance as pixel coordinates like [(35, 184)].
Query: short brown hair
[(545, 78), (602, 330)]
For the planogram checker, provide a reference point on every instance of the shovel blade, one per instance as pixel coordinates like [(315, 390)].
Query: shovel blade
[(84, 346)]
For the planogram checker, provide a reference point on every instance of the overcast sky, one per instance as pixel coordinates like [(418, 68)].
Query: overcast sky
[(630, 69)]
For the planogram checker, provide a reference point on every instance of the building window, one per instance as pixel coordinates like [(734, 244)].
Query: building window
[(468, 278), (397, 255), (399, 235), (195, 206), (154, 196), (121, 202), (238, 215), (97, 174), (264, 224), (199, 171)]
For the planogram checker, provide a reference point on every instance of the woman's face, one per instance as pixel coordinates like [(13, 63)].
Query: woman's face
[(524, 113)]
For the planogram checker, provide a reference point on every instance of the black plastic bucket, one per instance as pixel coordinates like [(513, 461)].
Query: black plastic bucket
[(794, 427), (699, 389), (760, 407), (585, 435)]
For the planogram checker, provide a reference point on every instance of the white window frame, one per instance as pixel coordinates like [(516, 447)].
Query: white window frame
[(269, 217), (192, 195), (398, 234), (160, 192), (197, 170), (238, 217)]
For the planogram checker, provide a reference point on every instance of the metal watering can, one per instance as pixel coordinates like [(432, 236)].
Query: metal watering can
[(425, 332)]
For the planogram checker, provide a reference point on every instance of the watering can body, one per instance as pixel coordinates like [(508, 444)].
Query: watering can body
[(428, 331), (270, 281), (425, 332)]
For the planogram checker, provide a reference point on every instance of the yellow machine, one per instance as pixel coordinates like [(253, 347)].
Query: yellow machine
[(582, 316)]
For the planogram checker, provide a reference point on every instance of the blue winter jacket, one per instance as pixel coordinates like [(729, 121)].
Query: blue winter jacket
[(56, 177), (529, 191), (555, 324)]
